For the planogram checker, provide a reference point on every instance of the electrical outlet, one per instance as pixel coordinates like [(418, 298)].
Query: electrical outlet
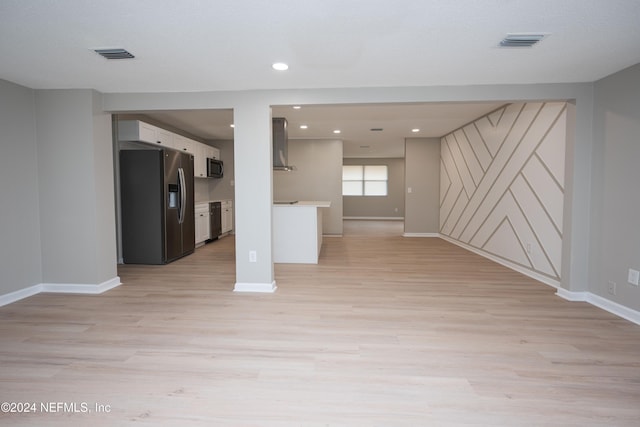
[(611, 287), (634, 276), (253, 256)]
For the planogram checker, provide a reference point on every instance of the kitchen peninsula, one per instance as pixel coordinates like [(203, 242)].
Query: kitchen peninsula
[(297, 231)]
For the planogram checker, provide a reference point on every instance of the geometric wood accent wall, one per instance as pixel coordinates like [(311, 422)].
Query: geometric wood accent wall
[(502, 185)]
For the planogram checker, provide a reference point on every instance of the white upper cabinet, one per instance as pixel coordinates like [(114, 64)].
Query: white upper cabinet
[(185, 144), (200, 161), (213, 152), (142, 132), (165, 138), (138, 131), (135, 130)]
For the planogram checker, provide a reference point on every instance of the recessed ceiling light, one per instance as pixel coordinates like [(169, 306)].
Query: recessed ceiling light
[(336, 131), (232, 125), (280, 66), (415, 130), (304, 127), (296, 107)]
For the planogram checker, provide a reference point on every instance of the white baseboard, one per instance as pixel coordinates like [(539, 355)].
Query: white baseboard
[(20, 294), (539, 277), (78, 288), (603, 303), (255, 287), (572, 296), (420, 234), (67, 288), (375, 218)]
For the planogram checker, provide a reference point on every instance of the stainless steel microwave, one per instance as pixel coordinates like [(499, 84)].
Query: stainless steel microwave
[(215, 168)]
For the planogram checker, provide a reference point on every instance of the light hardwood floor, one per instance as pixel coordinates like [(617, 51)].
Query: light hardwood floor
[(384, 331)]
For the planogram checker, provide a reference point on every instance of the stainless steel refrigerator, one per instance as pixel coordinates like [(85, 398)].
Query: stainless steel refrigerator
[(156, 193)]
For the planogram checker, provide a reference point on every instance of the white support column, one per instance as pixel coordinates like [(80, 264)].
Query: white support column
[(254, 195), (577, 203)]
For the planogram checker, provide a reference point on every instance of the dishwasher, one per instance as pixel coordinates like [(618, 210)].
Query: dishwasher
[(215, 211)]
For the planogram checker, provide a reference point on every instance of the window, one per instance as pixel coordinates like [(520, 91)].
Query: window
[(364, 180)]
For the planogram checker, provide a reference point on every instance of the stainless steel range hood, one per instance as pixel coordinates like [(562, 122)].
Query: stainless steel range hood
[(280, 145)]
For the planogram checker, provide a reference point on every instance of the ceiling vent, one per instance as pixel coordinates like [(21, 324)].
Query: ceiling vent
[(521, 40), (376, 129), (114, 53)]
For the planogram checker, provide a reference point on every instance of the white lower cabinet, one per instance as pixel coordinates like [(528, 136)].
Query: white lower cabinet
[(227, 216), (203, 223), (203, 220)]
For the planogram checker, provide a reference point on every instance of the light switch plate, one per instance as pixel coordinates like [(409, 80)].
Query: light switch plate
[(634, 276)]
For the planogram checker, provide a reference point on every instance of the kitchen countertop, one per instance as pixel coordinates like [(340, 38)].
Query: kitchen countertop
[(302, 203), (203, 202)]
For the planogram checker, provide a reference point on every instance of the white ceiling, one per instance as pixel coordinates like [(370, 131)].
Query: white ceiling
[(202, 45)]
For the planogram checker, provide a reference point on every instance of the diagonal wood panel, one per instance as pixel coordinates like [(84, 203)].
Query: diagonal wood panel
[(445, 182), (470, 158), (514, 151), (461, 167), (455, 188), (504, 240), (504, 168), (478, 145), (509, 209)]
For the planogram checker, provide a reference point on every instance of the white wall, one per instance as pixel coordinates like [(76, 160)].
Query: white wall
[(318, 177), (20, 258), (502, 181), (615, 213)]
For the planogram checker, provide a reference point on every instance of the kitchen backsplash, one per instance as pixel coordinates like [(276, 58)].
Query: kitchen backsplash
[(201, 189)]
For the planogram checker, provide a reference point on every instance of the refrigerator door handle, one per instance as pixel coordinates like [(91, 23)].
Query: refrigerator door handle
[(183, 195)]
